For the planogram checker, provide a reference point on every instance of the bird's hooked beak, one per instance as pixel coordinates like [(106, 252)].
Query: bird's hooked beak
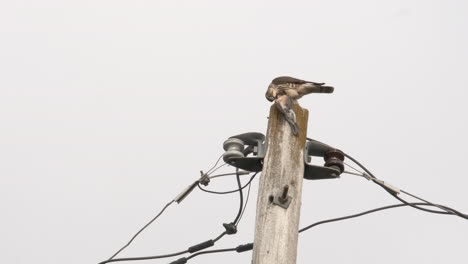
[(270, 94)]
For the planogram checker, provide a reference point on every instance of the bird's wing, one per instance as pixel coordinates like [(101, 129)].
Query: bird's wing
[(287, 79)]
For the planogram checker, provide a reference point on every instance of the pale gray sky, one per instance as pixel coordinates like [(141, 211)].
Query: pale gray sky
[(108, 109)]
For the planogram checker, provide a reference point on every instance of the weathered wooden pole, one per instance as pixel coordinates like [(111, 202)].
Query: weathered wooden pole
[(280, 190)]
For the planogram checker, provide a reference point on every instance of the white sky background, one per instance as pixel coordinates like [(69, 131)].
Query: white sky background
[(108, 109)]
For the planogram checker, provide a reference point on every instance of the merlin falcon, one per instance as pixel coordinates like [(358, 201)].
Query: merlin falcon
[(286, 90)]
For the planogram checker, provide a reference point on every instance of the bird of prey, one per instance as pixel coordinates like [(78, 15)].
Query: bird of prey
[(286, 90)]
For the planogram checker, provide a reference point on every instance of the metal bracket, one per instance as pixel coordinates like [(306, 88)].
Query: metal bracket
[(240, 146), (236, 154), (333, 165), (285, 204)]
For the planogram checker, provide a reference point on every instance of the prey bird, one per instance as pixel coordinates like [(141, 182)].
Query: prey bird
[(286, 90)]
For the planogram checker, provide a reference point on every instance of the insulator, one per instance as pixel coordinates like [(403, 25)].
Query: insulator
[(334, 158), (233, 148)]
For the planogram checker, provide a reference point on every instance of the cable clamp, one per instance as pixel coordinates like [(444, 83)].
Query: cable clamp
[(201, 246), (245, 247), (204, 179), (367, 176), (230, 228), (388, 186)]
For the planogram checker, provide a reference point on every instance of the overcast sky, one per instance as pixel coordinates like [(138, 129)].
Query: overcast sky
[(108, 109)]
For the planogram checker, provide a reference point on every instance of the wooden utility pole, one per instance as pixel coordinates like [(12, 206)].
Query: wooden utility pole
[(280, 190)]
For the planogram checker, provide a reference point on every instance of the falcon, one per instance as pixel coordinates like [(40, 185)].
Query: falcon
[(286, 90)]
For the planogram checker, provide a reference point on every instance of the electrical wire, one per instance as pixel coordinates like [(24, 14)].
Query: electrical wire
[(376, 181), (144, 258), (211, 252), (443, 207), (141, 230), (111, 259), (238, 249), (447, 210), (242, 207), (217, 161), (200, 246), (219, 167), (246, 201), (192, 249), (229, 174), (241, 197), (227, 192), (391, 192), (360, 214), (184, 260)]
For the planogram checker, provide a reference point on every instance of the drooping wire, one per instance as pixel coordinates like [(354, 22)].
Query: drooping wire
[(447, 210), (391, 192), (184, 260), (370, 176), (217, 168), (239, 248), (210, 171), (443, 207), (363, 174), (141, 230), (144, 258), (191, 249), (246, 201), (241, 197), (217, 161), (359, 214)]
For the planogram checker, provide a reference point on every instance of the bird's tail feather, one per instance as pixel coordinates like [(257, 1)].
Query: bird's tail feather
[(320, 89)]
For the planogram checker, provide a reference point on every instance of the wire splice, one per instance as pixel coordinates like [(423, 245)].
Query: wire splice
[(389, 187), (181, 196), (245, 247), (179, 261), (201, 246)]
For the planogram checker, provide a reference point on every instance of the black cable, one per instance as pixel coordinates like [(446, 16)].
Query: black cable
[(385, 188), (248, 247), (141, 230), (246, 202), (152, 220), (359, 214), (443, 207), (241, 197), (414, 206), (227, 192), (219, 237), (197, 247), (238, 249), (446, 209), (192, 249), (211, 252), (144, 258)]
